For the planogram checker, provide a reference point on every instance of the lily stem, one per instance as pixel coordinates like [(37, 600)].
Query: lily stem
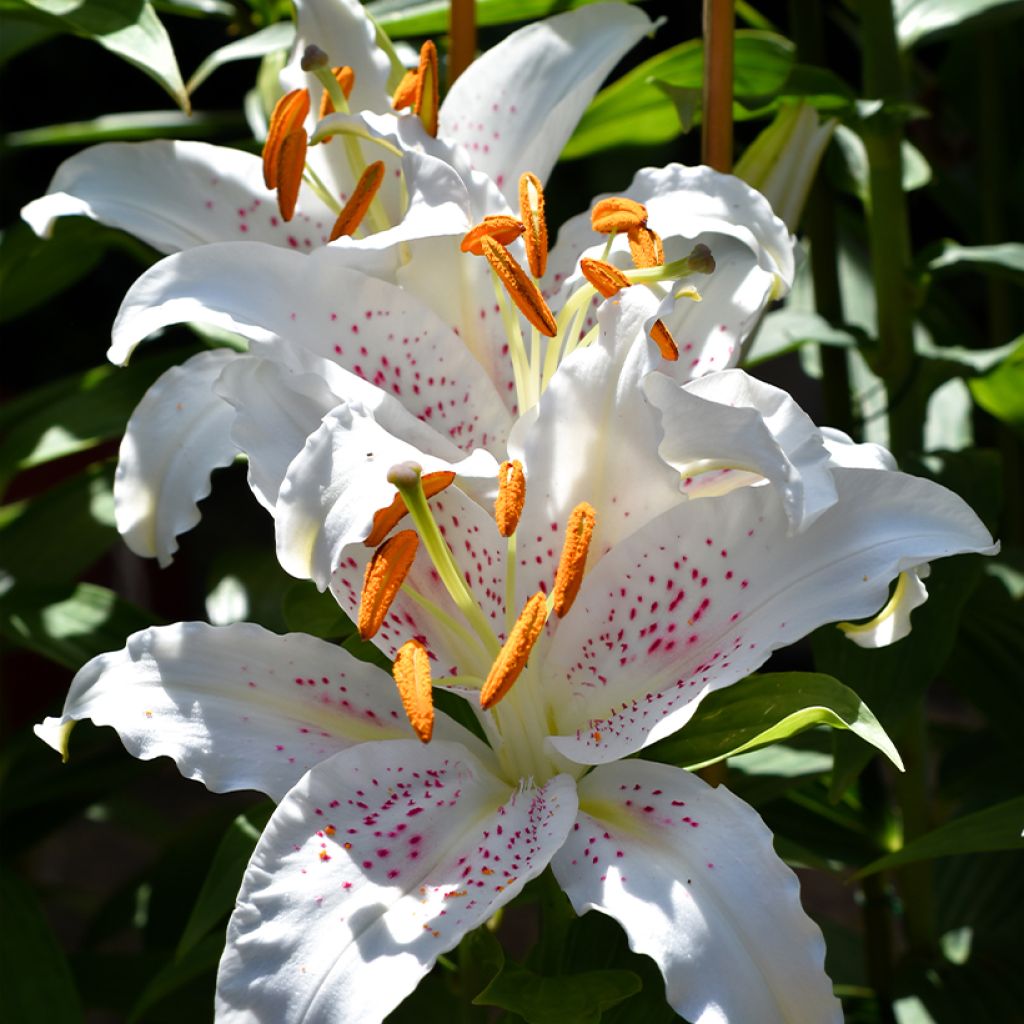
[(716, 134), (462, 36)]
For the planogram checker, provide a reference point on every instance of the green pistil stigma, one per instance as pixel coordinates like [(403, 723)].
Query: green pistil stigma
[(406, 477), (316, 62), (700, 260)]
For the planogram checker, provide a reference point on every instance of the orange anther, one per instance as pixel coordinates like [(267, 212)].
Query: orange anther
[(346, 78), (617, 214), (354, 210), (513, 655), (578, 531), (291, 162), (511, 497), (384, 577), (645, 247), (531, 210), (289, 113), (501, 227), (427, 101), (405, 94), (521, 289), (662, 337), (412, 676), (384, 519), (605, 277)]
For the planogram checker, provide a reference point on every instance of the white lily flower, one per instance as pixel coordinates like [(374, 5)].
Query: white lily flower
[(384, 854), (525, 95), (438, 320)]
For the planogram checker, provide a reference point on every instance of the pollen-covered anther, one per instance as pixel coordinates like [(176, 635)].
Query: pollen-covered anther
[(291, 162), (511, 497), (645, 247), (523, 292), (385, 519), (346, 79), (573, 561), (662, 337), (427, 99), (617, 214), (412, 676), (605, 277), (289, 113), (384, 577), (531, 210), (353, 212), (514, 654), (405, 93), (500, 227)]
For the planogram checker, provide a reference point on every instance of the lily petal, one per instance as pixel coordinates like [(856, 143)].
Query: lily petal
[(275, 411), (515, 107), (702, 595), (236, 707), (377, 862), (339, 480), (591, 438), (727, 428), (690, 874), (178, 434), (176, 195)]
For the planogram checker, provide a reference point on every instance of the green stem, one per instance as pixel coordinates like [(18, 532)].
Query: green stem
[(806, 21), (915, 881), (889, 228), (876, 908)]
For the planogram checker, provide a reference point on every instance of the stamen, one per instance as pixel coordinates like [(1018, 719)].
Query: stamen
[(662, 337), (412, 675), (427, 101), (645, 247), (405, 94), (578, 531), (523, 292), (617, 214), (291, 161), (384, 577), (501, 227), (384, 519), (531, 210), (512, 657), (605, 277), (363, 194), (289, 113), (511, 496), (346, 79)]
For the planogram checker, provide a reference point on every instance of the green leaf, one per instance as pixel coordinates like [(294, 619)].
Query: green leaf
[(138, 124), (995, 828), (33, 269), (306, 610), (401, 18), (921, 20), (279, 36), (130, 29), (21, 34), (580, 998), (916, 171), (72, 627), (638, 109), (52, 539), (763, 709), (199, 960), (34, 974), (1001, 392), (786, 330), (220, 887), (76, 413), (1005, 259)]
